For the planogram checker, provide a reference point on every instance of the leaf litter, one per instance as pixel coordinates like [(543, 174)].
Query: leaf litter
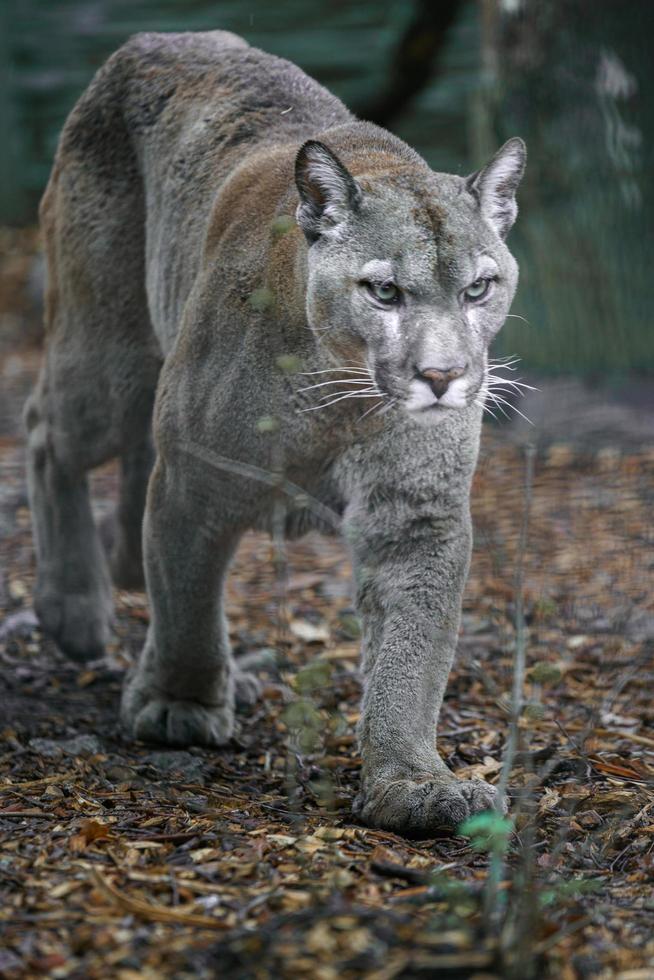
[(129, 860)]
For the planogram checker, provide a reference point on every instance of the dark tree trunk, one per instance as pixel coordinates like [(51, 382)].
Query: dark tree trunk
[(415, 59)]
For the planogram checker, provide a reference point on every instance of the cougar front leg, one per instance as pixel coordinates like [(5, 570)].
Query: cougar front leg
[(409, 592), (182, 691)]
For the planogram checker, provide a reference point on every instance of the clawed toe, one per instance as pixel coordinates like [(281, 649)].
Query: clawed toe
[(155, 717), (79, 624), (480, 796), (182, 723), (426, 808), (247, 688)]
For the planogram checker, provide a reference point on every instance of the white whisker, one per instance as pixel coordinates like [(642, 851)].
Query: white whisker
[(495, 386), (502, 401), (374, 408), (485, 408), (384, 408), (337, 381), (497, 405), (506, 362), (492, 376), (490, 412), (348, 370), (349, 394), (518, 387)]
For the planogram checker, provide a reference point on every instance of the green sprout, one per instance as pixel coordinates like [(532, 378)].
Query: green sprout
[(289, 363), (281, 225), (489, 832), (261, 299), (267, 423)]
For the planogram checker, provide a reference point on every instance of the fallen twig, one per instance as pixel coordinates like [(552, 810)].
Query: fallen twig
[(152, 913), (577, 726)]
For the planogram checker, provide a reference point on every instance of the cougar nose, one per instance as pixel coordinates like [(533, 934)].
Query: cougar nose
[(439, 379)]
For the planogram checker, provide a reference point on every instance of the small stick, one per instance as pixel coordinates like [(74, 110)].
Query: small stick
[(153, 913), (415, 876)]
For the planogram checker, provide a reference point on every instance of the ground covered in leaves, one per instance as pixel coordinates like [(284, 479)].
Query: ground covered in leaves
[(127, 860)]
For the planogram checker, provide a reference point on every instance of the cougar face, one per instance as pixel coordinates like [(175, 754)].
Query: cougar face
[(409, 274)]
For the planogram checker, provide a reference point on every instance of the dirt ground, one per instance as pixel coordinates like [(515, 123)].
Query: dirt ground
[(128, 860)]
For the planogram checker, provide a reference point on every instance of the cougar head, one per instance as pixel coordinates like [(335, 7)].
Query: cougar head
[(408, 271)]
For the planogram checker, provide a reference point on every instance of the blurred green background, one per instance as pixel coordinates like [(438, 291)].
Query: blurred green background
[(455, 79)]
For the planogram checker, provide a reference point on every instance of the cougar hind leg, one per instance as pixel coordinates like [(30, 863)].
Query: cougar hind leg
[(94, 397), (72, 596)]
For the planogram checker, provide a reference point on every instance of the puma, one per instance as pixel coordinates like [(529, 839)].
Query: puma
[(273, 314)]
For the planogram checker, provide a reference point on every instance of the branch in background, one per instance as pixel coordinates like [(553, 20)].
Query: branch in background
[(415, 59)]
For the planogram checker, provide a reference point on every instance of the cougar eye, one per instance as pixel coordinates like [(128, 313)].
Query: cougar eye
[(477, 289), (385, 292)]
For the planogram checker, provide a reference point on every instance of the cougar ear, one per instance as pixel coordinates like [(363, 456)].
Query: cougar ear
[(327, 189), (495, 185)]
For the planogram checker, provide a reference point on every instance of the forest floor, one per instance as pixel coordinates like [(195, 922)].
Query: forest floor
[(119, 859)]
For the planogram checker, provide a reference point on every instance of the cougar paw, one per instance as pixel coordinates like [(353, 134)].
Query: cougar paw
[(79, 624), (424, 808), (157, 717), (247, 687)]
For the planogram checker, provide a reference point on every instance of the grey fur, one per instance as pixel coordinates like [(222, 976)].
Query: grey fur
[(176, 267)]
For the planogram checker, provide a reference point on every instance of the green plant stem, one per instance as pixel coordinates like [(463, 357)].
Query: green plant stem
[(494, 899)]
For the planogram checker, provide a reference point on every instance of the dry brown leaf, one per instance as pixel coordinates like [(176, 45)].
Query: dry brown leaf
[(633, 772), (90, 831), (310, 844), (549, 800), (309, 632), (282, 839)]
